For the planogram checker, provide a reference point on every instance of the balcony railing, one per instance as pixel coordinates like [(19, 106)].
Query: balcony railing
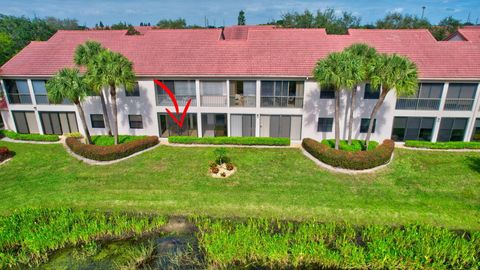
[(43, 99), (214, 101), (164, 100), (418, 104), (14, 98), (242, 101), (458, 104), (282, 102)]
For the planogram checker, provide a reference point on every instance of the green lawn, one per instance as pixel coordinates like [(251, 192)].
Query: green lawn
[(429, 187)]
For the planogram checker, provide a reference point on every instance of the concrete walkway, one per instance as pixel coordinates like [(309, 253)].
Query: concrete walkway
[(342, 170), (402, 146), (5, 161), (6, 139)]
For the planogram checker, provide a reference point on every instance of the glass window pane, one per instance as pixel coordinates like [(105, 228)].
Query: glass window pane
[(39, 87), (213, 88), (468, 90), (185, 88), (249, 88), (22, 86), (267, 88), (453, 90)]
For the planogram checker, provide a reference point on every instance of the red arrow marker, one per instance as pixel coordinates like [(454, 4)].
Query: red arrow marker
[(174, 100)]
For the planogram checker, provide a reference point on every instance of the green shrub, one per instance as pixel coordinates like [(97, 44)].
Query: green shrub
[(5, 153), (221, 155), (271, 244), (27, 236), (105, 140), (29, 137), (105, 153), (230, 140), (443, 145), (357, 145), (350, 160)]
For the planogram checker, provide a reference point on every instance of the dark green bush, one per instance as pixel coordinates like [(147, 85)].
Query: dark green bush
[(105, 153), (230, 140), (350, 160), (29, 137), (271, 244), (357, 145), (443, 145), (5, 153), (105, 140), (27, 236)]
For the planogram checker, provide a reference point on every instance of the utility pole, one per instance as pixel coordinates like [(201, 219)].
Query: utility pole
[(423, 11)]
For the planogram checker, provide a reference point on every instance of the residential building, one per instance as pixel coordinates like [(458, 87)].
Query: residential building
[(251, 81)]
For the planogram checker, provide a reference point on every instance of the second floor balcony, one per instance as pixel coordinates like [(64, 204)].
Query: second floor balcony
[(164, 100), (458, 104), (242, 101), (422, 104), (282, 101), (213, 101)]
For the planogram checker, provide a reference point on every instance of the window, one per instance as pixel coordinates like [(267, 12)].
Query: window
[(430, 90), (183, 91), (58, 122), (213, 93), (427, 97), (97, 121), (135, 92), (40, 91), (327, 93), (17, 91), (282, 94), (460, 97), (412, 128), (242, 93), (371, 93), (365, 122), (167, 127), (452, 129), (476, 131), (135, 121), (325, 124)]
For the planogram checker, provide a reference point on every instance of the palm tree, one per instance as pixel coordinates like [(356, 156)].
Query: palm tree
[(69, 84), (85, 53), (391, 72), (112, 70), (366, 55), (339, 70)]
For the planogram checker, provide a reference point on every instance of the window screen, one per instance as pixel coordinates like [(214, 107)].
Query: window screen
[(135, 121), (325, 124)]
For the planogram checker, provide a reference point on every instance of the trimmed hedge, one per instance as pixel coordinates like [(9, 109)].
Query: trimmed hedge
[(29, 137), (357, 145), (443, 145), (230, 140), (350, 160), (5, 153), (113, 152)]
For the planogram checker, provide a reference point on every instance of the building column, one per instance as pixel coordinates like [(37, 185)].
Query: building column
[(199, 115), (471, 123), (257, 106), (438, 119), (34, 103)]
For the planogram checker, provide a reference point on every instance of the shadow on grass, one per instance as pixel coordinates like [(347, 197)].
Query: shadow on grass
[(474, 163)]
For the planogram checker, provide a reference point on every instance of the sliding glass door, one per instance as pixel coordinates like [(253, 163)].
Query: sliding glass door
[(58, 122), (167, 127), (242, 125), (26, 122)]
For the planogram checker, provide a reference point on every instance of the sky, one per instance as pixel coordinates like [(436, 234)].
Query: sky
[(218, 13)]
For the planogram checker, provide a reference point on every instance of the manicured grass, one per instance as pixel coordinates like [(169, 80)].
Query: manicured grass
[(230, 140), (443, 145), (104, 140), (270, 244), (357, 145), (27, 236), (418, 186), (29, 137)]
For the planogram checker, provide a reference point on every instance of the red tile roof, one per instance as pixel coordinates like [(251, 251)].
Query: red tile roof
[(470, 33), (245, 51)]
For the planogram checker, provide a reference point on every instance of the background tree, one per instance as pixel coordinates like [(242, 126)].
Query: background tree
[(366, 56), (112, 70), (391, 73), (84, 54), (6, 47), (179, 23), (69, 84), (398, 21), (339, 70), (241, 18)]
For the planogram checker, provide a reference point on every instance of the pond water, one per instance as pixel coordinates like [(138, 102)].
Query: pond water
[(173, 249)]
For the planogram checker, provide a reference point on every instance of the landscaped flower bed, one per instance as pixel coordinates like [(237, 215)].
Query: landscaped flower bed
[(113, 152), (5, 154), (230, 140), (222, 167), (29, 137), (359, 160), (357, 145), (443, 145)]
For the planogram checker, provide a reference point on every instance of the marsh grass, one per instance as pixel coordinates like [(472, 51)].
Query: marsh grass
[(27, 236), (275, 244)]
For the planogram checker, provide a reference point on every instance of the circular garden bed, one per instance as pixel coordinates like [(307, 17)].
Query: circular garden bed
[(350, 160), (5, 154)]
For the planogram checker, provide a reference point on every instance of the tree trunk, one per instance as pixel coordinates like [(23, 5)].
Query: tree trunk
[(113, 95), (377, 106), (337, 119), (106, 119), (88, 140), (350, 121)]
